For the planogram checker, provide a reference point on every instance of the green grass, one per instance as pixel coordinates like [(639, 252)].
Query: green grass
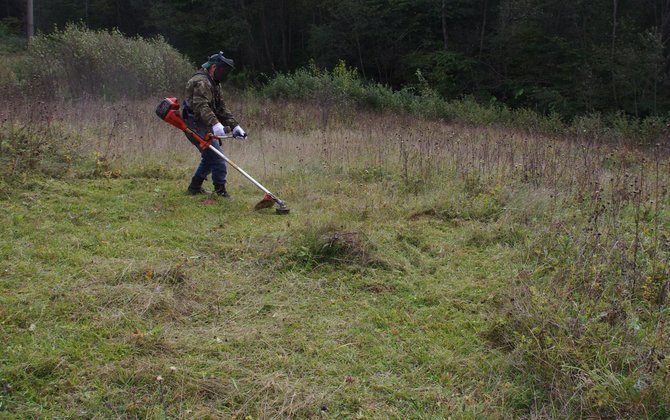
[(464, 272), (108, 283)]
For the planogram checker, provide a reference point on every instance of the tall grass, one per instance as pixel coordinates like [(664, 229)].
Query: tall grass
[(585, 324), (343, 87)]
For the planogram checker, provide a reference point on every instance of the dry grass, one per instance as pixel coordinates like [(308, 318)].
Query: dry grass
[(426, 269), (289, 137)]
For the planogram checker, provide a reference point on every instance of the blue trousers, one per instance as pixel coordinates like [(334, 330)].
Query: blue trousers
[(210, 162)]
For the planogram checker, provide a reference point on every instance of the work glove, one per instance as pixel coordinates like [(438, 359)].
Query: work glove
[(217, 130), (239, 132)]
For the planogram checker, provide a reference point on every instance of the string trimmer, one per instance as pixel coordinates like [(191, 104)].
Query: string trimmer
[(168, 111)]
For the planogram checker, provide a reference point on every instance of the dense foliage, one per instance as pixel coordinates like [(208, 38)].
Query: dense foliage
[(106, 64), (343, 88), (570, 57), (103, 63)]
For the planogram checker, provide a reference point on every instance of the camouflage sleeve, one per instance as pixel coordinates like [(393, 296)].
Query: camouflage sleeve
[(202, 96), (223, 114), (226, 117)]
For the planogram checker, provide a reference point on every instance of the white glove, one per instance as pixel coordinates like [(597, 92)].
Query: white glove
[(217, 130), (239, 132)]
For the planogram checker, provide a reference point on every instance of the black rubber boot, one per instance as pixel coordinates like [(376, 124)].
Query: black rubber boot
[(196, 186), (220, 189)]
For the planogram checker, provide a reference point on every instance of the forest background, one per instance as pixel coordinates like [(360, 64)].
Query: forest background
[(568, 58)]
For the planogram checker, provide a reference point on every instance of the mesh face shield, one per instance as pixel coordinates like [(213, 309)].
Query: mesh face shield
[(218, 59)]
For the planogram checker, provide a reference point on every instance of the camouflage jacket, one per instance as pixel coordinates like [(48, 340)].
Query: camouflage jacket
[(203, 96)]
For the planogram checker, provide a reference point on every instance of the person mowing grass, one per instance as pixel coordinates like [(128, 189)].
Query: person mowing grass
[(205, 112)]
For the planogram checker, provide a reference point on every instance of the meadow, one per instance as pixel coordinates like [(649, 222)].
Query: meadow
[(427, 269)]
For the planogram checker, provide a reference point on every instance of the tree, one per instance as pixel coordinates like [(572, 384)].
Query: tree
[(567, 56)]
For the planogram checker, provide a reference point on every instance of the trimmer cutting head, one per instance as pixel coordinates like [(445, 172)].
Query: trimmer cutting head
[(268, 201), (283, 209)]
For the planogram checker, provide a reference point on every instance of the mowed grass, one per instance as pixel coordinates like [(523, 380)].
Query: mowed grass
[(451, 271), (126, 297)]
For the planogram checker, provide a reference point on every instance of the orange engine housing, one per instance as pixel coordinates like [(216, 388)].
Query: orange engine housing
[(168, 111)]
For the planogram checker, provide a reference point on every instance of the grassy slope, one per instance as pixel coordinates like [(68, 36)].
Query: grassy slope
[(374, 297), (109, 283)]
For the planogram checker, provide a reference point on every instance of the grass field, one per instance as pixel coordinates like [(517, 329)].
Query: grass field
[(425, 270)]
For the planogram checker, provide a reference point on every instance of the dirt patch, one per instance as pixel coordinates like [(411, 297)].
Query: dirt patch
[(425, 214), (378, 288)]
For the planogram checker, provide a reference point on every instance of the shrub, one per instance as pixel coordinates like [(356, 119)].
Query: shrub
[(318, 245), (11, 40), (11, 47), (78, 62), (652, 129), (343, 87), (9, 83), (338, 86), (45, 148), (591, 328), (589, 126)]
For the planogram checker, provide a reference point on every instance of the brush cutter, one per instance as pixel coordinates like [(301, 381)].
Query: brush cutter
[(168, 111)]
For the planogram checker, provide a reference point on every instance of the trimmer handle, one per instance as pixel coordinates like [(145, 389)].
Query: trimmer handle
[(227, 136)]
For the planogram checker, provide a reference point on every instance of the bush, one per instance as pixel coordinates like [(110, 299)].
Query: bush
[(591, 328), (336, 87), (9, 83), (633, 130), (78, 62), (11, 45), (318, 245), (11, 40), (343, 87), (37, 147), (590, 126)]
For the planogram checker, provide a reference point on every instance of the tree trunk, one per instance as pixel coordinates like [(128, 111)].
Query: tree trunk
[(283, 23), (289, 39), (445, 37), (360, 54), (615, 4), (656, 90), (483, 33), (665, 20), (118, 14), (30, 28), (253, 59), (268, 52)]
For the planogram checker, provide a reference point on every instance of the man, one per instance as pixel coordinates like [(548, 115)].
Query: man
[(205, 112)]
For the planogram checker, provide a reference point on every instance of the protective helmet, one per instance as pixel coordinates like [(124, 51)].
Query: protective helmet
[(218, 58)]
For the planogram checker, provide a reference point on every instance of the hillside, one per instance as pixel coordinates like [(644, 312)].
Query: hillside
[(425, 269)]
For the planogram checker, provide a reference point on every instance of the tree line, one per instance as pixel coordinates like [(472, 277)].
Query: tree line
[(569, 57)]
